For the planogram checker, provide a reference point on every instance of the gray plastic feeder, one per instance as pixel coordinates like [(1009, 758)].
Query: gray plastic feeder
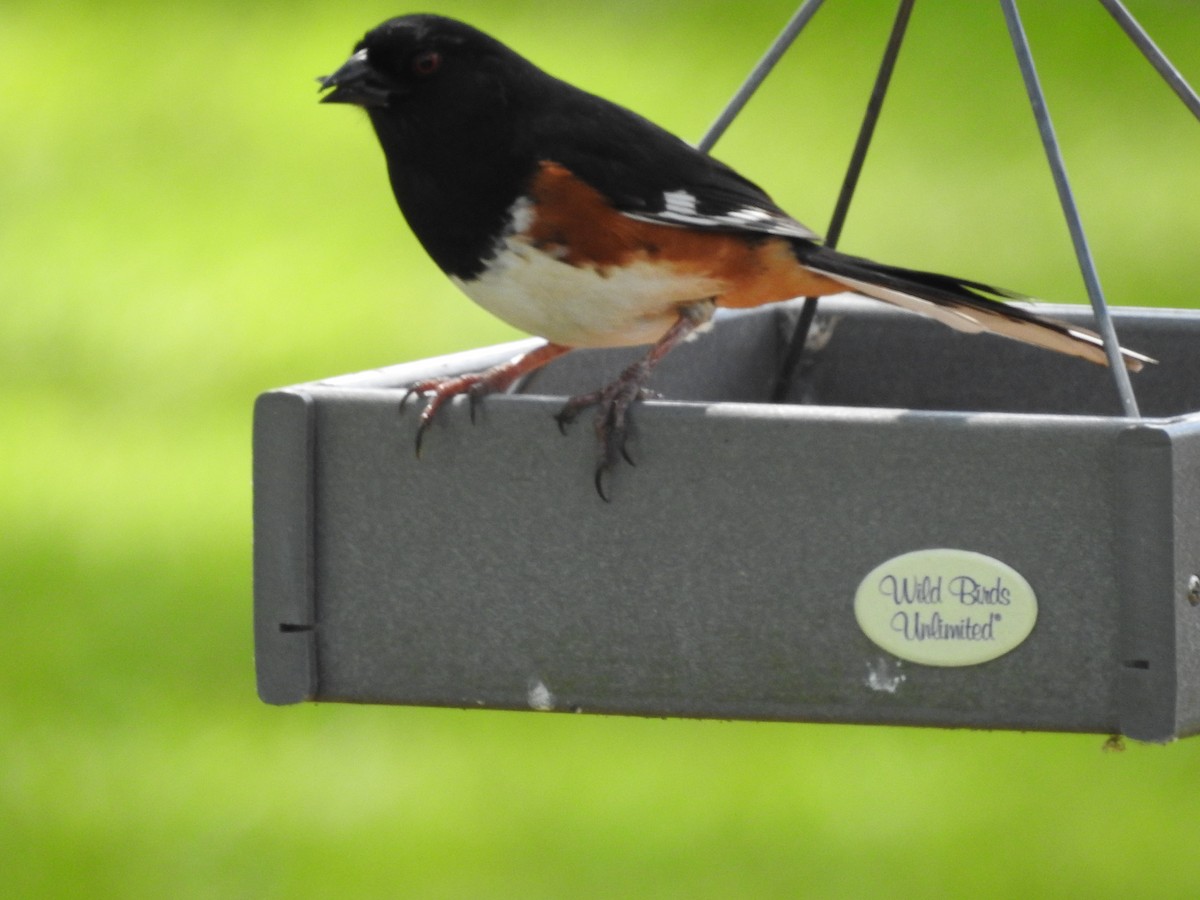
[(721, 580)]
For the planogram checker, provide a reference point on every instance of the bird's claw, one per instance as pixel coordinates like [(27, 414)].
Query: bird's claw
[(476, 385), (438, 391), (611, 422)]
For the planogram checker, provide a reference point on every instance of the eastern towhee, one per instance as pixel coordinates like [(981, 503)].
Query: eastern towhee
[(579, 221)]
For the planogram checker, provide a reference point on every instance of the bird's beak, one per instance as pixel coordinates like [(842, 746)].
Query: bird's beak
[(356, 82)]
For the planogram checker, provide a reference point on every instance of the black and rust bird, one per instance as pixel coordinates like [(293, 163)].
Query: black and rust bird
[(577, 220)]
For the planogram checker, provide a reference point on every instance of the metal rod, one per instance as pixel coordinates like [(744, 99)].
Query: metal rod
[(757, 75), (882, 80), (1157, 58), (795, 348), (1083, 254)]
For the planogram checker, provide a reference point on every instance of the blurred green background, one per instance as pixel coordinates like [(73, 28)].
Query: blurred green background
[(182, 227)]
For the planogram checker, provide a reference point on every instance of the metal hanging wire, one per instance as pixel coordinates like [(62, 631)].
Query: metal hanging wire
[(1157, 58), (791, 31), (1066, 198), (758, 74), (808, 312)]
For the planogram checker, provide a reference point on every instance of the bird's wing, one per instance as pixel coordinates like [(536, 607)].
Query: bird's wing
[(649, 174)]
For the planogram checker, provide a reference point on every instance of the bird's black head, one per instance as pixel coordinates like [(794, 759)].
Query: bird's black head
[(417, 65), (448, 103)]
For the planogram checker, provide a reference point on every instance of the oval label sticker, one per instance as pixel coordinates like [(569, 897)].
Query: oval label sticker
[(944, 607)]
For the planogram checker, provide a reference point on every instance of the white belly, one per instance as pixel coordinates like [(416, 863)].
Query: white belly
[(583, 307)]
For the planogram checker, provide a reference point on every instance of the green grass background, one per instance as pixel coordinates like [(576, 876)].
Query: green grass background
[(182, 227)]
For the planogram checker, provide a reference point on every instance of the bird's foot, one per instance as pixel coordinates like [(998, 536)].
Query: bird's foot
[(476, 385), (611, 422), (614, 401), (438, 391)]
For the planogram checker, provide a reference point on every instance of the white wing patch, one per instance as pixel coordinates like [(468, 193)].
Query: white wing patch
[(680, 208), (680, 203)]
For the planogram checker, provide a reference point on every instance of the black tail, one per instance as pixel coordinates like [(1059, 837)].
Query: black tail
[(964, 305)]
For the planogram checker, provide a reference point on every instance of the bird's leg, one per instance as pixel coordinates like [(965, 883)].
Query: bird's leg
[(476, 385), (614, 400)]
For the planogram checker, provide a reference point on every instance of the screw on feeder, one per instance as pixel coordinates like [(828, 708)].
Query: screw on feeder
[(1193, 591)]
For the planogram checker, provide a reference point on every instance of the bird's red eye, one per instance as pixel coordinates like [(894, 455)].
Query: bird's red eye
[(426, 63)]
